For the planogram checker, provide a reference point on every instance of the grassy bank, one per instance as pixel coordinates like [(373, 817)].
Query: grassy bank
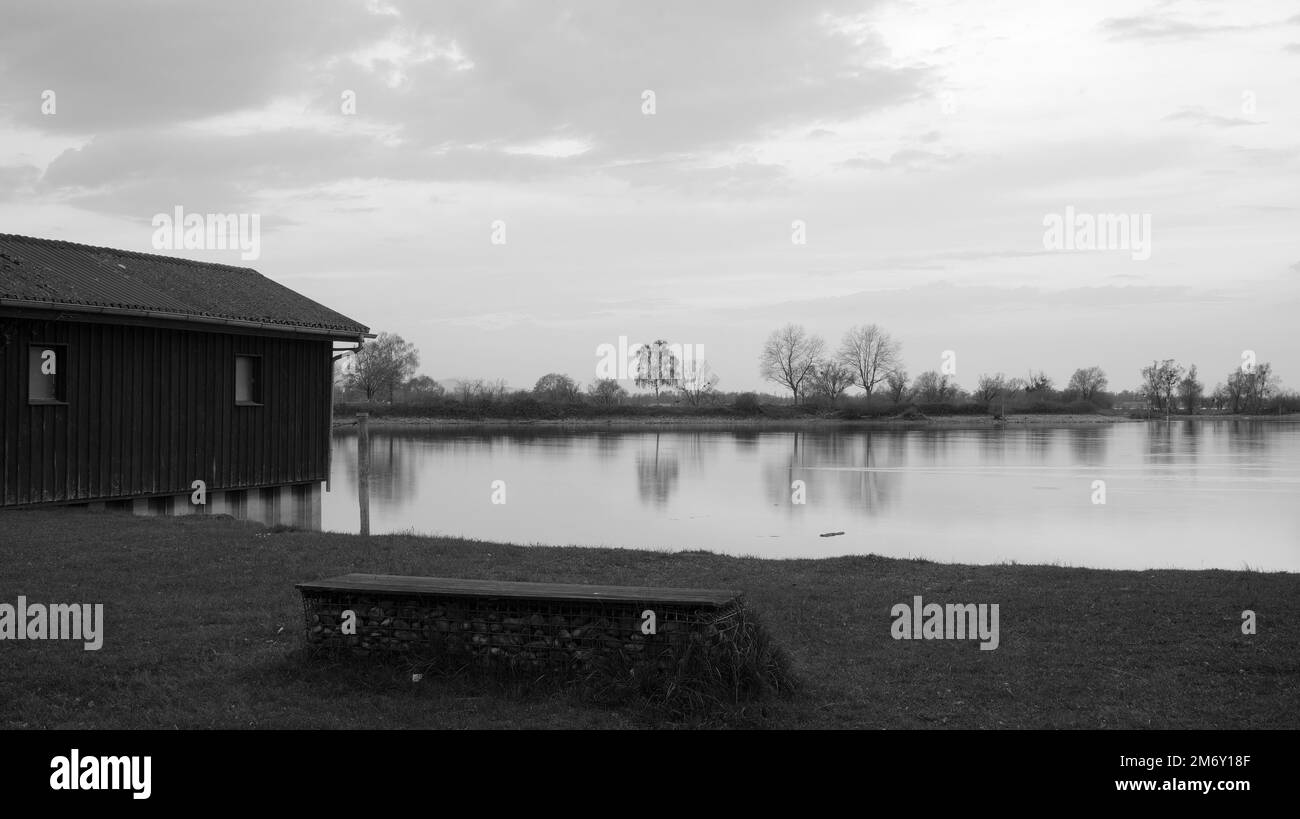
[(203, 629)]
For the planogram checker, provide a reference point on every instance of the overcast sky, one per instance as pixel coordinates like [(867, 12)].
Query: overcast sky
[(922, 145)]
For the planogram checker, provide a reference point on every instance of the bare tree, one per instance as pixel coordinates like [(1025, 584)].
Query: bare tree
[(697, 383), (989, 387), (1087, 382), (790, 358), (383, 365), (1150, 389), (1038, 382), (606, 391), (495, 389), (467, 389), (1260, 384), (1011, 389), (1246, 391), (1158, 384), (1234, 391), (830, 379), (998, 388), (896, 382), (869, 354), (1219, 397), (932, 387), (1190, 390)]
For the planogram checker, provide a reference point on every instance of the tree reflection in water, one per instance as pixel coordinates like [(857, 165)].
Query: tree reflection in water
[(657, 472)]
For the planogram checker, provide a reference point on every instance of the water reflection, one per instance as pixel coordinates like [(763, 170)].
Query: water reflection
[(1088, 444), (607, 446), (1159, 441), (394, 476), (656, 473), (1191, 492), (1038, 443), (868, 487)]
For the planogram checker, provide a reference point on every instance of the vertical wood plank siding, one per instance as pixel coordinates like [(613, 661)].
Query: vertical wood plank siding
[(150, 410)]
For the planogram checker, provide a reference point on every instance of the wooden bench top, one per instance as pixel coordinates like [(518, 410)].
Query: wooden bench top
[(404, 584)]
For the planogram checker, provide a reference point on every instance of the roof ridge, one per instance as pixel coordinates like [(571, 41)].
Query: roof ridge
[(136, 253)]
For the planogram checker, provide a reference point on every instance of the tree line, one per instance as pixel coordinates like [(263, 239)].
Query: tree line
[(1251, 388), (385, 369), (812, 374), (870, 359)]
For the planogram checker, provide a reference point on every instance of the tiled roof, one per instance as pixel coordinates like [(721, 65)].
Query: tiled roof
[(66, 275)]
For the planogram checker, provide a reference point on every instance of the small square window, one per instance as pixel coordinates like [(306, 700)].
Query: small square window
[(248, 380), (47, 380)]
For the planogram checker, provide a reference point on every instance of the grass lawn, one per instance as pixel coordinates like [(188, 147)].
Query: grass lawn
[(203, 629)]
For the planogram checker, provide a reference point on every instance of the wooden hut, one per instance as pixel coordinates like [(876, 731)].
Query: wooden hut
[(128, 377)]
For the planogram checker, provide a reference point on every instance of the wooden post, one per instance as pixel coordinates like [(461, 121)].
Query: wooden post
[(329, 439), (363, 469)]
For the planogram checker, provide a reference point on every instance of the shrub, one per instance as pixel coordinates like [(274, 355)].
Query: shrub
[(952, 409), (747, 403)]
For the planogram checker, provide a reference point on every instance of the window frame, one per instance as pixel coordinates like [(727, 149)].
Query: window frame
[(60, 378), (259, 389)]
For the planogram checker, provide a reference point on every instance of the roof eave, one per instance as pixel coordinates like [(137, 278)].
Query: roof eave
[(327, 332)]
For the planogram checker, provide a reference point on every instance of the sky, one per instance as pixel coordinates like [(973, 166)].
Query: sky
[(493, 182)]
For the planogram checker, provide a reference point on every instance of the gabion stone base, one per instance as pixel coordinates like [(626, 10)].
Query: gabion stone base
[(576, 628)]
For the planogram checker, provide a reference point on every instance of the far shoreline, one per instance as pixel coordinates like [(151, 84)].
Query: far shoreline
[(661, 421), (1037, 420)]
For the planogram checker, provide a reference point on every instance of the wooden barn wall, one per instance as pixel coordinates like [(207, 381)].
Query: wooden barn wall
[(150, 410)]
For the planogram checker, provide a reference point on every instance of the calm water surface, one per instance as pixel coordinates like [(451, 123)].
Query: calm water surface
[(1186, 494)]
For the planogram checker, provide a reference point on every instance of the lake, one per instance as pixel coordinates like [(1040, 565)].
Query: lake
[(1180, 494)]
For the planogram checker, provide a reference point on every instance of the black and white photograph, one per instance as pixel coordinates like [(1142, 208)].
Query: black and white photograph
[(712, 367)]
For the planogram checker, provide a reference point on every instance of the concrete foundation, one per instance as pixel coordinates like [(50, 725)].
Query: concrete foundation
[(296, 505)]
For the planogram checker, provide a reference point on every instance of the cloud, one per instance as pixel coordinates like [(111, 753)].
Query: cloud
[(473, 110), (218, 109), (17, 181), (864, 164), (979, 255), (462, 73), (908, 160), (1150, 27), (1202, 117), (139, 64), (142, 172), (745, 178), (1266, 157)]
